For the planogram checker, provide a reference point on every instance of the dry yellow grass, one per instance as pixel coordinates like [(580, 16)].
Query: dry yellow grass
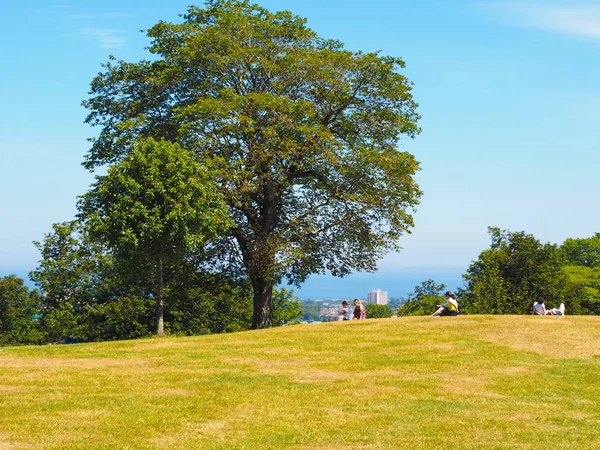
[(468, 382)]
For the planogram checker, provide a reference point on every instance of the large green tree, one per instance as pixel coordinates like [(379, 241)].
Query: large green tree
[(152, 207), (303, 132)]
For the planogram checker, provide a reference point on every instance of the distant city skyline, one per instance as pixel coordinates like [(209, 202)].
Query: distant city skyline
[(397, 284)]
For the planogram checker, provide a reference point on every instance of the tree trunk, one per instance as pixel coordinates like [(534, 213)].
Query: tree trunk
[(263, 310), (160, 325)]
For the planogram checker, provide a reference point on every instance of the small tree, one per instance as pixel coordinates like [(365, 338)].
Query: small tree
[(152, 207), (378, 311), (85, 292), (71, 269), (18, 306), (423, 300), (583, 290)]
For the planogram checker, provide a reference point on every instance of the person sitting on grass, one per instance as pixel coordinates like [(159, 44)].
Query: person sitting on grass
[(449, 309), (539, 308), (359, 310), (343, 312)]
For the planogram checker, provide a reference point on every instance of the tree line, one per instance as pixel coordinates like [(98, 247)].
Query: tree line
[(515, 271), (84, 292)]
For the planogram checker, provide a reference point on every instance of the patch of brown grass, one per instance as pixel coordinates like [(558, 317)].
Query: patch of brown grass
[(566, 337), (72, 363)]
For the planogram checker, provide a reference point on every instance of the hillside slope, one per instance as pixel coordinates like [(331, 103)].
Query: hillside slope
[(467, 382)]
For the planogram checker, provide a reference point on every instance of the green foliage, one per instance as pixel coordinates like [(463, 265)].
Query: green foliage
[(72, 269), (127, 317), (84, 294), (583, 290), (311, 311), (158, 201), (18, 306), (287, 309), (509, 276), (213, 303), (395, 302), (62, 322), (108, 299), (302, 133), (199, 303), (423, 300), (378, 311), (582, 252), (154, 206), (488, 292)]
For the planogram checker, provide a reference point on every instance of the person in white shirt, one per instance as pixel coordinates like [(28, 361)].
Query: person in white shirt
[(539, 309), (343, 313)]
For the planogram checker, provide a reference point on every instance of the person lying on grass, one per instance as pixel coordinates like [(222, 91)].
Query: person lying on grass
[(448, 309), (560, 311)]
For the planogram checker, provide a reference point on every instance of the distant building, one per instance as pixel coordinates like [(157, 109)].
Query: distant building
[(377, 297)]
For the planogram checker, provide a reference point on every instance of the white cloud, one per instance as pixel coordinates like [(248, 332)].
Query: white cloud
[(575, 19), (95, 26), (108, 37), (76, 17)]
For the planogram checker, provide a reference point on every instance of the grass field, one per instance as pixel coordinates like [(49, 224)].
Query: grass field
[(470, 382)]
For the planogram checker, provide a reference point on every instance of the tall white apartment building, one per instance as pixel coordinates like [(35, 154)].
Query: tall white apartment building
[(377, 297)]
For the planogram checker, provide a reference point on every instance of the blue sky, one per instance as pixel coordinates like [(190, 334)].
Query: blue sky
[(509, 92)]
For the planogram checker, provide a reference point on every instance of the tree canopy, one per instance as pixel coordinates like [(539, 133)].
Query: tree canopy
[(303, 134), (582, 251)]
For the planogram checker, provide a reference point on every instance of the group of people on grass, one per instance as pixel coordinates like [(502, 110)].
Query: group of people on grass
[(357, 313), (539, 309), (450, 308)]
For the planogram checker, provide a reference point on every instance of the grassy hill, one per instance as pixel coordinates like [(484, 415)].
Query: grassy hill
[(468, 382)]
